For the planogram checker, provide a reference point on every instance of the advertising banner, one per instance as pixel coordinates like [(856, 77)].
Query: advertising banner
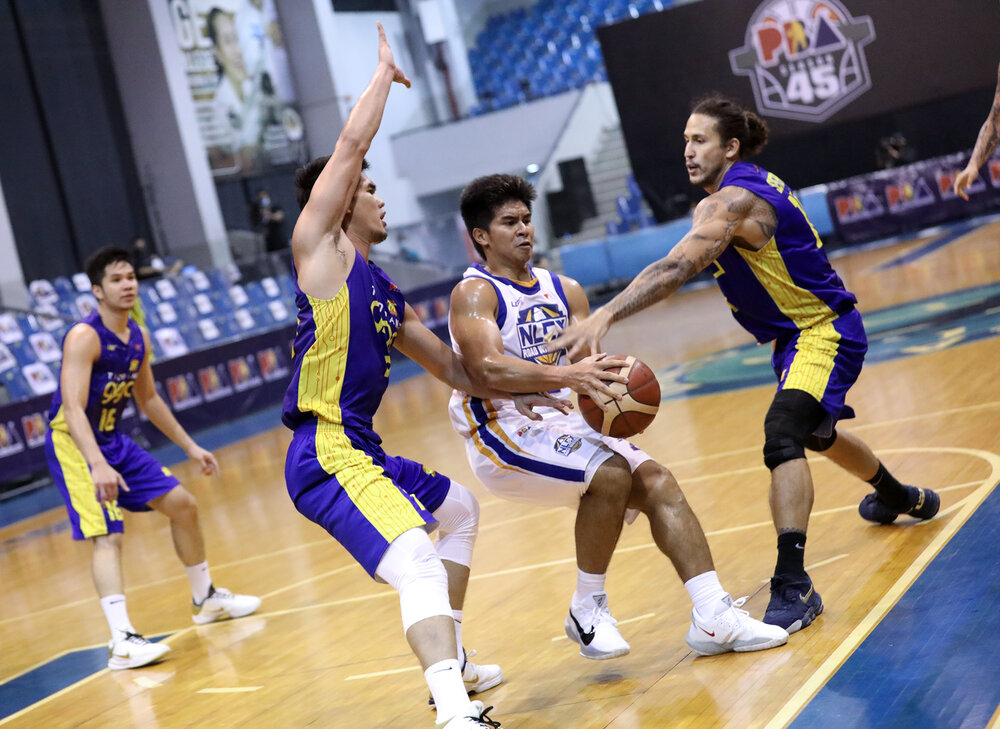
[(908, 198), (203, 389), (237, 71)]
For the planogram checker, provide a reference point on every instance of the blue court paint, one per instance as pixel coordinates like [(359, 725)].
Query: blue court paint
[(52, 677), (932, 661)]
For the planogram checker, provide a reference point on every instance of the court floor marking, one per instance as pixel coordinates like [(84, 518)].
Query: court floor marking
[(859, 426), (814, 683), (822, 674), (493, 502), (513, 570), (994, 722)]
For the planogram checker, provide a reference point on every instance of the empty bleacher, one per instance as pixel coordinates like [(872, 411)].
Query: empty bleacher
[(545, 49)]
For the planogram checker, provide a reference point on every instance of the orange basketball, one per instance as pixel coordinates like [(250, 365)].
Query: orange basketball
[(637, 408)]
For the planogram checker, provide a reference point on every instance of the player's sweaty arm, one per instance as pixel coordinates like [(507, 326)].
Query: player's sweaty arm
[(474, 325), (716, 220)]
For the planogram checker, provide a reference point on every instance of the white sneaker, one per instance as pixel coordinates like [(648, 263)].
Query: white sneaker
[(477, 677), (132, 650), (477, 720), (221, 604), (593, 628), (732, 630)]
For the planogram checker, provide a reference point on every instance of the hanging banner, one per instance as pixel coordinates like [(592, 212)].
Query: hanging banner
[(908, 198), (237, 71)]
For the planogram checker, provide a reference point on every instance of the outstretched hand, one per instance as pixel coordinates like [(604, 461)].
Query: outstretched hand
[(582, 337), (965, 178), (385, 56)]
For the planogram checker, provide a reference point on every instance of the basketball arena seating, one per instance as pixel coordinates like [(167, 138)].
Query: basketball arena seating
[(545, 49), (615, 260), (190, 311)]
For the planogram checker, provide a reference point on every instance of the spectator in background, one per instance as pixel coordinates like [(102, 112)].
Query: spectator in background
[(147, 264), (275, 238), (893, 151), (268, 220)]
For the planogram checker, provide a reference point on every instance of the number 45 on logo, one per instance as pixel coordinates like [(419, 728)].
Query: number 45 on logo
[(805, 60)]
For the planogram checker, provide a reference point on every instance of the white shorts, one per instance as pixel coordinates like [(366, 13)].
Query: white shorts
[(548, 462)]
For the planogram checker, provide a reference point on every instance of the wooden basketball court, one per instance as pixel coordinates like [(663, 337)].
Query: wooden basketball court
[(326, 648)]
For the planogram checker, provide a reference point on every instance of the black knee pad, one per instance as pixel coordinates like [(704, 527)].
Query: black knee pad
[(818, 443), (791, 419)]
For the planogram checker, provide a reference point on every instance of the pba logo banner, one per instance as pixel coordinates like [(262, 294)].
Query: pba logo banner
[(805, 58), (9, 442), (182, 391), (242, 373), (34, 429), (213, 382)]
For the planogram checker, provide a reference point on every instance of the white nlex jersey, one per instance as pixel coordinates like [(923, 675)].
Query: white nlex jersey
[(529, 315)]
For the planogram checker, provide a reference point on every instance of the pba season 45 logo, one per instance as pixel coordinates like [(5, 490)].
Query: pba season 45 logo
[(805, 58)]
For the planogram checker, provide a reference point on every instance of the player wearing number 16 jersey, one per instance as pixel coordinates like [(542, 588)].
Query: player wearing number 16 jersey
[(771, 266), (100, 471)]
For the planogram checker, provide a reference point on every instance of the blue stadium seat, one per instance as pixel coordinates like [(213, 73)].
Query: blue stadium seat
[(16, 386)]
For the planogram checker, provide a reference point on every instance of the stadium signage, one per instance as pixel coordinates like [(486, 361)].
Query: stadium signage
[(805, 58)]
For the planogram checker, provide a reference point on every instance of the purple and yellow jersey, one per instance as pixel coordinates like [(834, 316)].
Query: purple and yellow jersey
[(111, 381), (788, 285), (358, 326)]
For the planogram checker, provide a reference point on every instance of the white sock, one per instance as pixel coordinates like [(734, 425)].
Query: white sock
[(116, 615), (587, 583), (457, 615), (706, 593), (201, 581), (444, 679)]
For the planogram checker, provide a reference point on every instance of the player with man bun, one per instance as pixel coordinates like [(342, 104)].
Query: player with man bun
[(773, 271)]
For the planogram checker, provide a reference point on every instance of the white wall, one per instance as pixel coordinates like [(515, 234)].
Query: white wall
[(351, 43), (13, 292), (447, 157), (595, 111), (159, 112)]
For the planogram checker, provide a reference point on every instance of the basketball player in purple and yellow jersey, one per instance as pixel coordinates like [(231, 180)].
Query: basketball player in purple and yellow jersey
[(380, 508), (773, 271), (100, 471)]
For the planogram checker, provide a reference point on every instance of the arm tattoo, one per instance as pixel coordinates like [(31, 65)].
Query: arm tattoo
[(989, 134), (715, 221)]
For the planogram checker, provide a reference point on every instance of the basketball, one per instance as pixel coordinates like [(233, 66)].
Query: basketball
[(637, 408)]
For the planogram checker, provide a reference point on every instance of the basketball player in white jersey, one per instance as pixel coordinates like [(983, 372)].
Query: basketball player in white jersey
[(502, 316)]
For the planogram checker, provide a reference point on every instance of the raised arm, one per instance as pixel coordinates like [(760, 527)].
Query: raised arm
[(718, 219), (986, 142), (81, 349), (149, 401), (334, 189), (474, 326)]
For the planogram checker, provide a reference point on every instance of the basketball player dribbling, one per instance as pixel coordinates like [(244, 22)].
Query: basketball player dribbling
[(773, 270), (380, 508), (503, 314)]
